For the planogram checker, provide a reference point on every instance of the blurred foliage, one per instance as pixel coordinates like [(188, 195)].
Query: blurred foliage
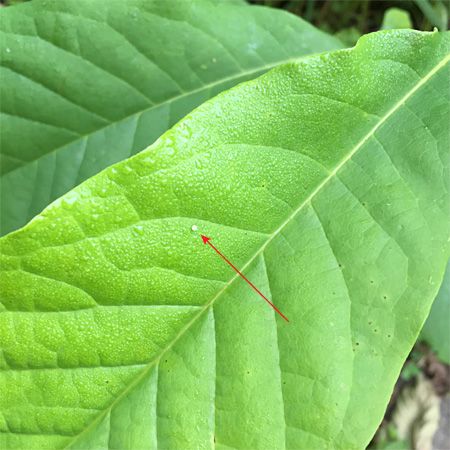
[(11, 2), (395, 18), (348, 36), (409, 371), (413, 418), (352, 18), (389, 440), (436, 331), (363, 16)]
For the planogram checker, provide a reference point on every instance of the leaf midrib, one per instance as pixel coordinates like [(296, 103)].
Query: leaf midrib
[(260, 251)]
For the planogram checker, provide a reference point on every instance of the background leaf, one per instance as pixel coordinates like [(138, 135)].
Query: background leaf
[(436, 330), (120, 329), (395, 18), (349, 36), (86, 84), (437, 14)]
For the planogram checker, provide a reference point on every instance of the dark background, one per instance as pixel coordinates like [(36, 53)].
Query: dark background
[(364, 15)]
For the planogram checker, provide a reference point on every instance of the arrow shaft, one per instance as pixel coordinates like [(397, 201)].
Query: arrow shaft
[(247, 280)]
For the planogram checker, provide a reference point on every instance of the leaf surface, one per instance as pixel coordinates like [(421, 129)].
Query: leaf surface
[(325, 180), (86, 84)]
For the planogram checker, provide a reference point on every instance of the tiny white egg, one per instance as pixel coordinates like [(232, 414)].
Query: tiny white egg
[(194, 228)]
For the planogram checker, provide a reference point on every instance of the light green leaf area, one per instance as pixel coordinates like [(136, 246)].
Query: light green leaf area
[(86, 84), (396, 18), (326, 181), (436, 330)]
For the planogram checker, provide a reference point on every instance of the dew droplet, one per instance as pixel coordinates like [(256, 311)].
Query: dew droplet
[(138, 230)]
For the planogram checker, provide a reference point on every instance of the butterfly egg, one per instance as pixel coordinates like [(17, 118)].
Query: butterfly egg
[(194, 228)]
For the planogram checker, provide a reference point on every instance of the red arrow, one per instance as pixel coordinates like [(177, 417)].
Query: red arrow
[(206, 240)]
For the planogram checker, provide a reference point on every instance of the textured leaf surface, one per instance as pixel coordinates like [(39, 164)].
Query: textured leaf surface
[(326, 180), (436, 330), (86, 84)]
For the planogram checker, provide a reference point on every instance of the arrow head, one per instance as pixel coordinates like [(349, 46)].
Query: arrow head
[(205, 239)]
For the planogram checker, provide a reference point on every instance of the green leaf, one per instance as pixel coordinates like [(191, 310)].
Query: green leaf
[(86, 84), (325, 180), (349, 35), (396, 18), (410, 371), (436, 330)]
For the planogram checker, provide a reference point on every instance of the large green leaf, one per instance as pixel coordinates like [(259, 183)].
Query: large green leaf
[(326, 180), (85, 84)]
